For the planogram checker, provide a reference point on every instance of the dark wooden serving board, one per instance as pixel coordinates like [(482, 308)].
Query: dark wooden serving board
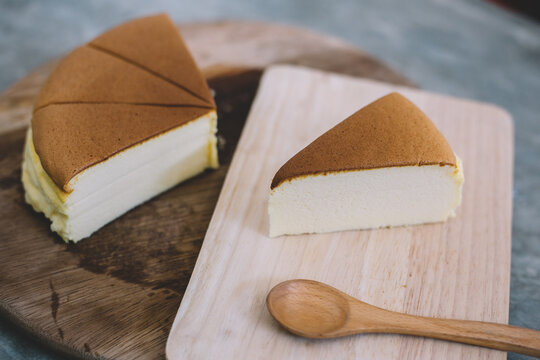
[(115, 294)]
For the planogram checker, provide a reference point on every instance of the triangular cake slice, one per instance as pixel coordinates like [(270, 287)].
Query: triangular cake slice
[(159, 48), (92, 76), (385, 165), (120, 120)]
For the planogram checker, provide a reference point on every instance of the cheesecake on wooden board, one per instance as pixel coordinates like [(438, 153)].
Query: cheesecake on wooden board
[(385, 165), (121, 119)]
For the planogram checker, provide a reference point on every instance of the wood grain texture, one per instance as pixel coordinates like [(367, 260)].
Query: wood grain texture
[(459, 269), (115, 294), (316, 310)]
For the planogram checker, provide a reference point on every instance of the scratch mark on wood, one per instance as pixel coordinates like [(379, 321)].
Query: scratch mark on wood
[(55, 304)]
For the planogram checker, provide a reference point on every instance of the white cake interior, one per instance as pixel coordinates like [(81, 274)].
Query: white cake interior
[(110, 188), (365, 199)]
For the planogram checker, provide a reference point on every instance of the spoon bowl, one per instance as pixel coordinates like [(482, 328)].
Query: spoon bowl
[(308, 308)]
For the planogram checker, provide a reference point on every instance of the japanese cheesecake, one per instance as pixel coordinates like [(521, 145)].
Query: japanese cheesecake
[(385, 165), (121, 119)]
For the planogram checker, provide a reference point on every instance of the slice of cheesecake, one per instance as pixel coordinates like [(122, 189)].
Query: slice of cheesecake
[(385, 165), (122, 119)]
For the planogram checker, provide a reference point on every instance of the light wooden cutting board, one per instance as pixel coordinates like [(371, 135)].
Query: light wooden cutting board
[(458, 269)]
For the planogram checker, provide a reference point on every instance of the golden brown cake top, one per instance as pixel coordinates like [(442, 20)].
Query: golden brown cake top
[(133, 82), (390, 131), (154, 43)]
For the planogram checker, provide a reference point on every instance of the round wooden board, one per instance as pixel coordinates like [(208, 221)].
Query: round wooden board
[(115, 294)]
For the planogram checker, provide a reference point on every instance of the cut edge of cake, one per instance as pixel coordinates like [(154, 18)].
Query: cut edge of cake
[(347, 200)]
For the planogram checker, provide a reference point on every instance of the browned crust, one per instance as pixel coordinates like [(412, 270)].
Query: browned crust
[(155, 43), (90, 75), (391, 131), (133, 82)]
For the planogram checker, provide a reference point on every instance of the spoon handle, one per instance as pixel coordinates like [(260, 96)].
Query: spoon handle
[(496, 336)]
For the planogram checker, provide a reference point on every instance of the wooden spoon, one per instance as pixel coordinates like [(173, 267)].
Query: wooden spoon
[(316, 310)]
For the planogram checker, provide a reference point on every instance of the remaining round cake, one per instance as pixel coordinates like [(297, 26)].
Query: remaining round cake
[(122, 119), (385, 165)]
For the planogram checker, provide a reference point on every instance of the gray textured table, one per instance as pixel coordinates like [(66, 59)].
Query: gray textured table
[(463, 48)]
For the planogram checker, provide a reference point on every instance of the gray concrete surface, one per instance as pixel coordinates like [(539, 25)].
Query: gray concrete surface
[(465, 48)]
